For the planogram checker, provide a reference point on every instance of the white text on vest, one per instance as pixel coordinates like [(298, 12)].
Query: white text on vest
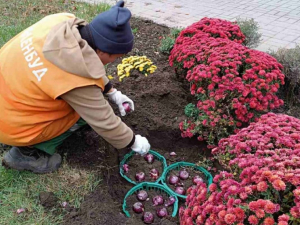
[(31, 56)]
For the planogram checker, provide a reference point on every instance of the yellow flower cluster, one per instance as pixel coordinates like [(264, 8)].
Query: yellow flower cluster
[(141, 63)]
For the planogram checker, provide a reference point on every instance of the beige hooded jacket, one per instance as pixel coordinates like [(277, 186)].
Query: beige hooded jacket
[(65, 48)]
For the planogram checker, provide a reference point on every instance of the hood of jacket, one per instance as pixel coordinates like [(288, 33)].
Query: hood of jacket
[(65, 48)]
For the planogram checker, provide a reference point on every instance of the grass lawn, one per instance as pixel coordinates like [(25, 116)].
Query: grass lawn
[(21, 189), (16, 15)]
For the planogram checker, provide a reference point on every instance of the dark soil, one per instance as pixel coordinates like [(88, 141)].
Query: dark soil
[(159, 107), (139, 164)]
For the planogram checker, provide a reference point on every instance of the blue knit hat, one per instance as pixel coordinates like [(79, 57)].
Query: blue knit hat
[(111, 30)]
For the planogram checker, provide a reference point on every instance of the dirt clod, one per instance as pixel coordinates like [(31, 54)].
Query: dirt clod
[(48, 199)]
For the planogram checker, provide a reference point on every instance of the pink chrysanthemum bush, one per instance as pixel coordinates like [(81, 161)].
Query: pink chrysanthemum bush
[(273, 142), (264, 185), (233, 85), (251, 199)]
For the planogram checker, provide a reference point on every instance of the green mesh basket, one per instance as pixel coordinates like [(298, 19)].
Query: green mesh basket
[(148, 186), (177, 166), (132, 153)]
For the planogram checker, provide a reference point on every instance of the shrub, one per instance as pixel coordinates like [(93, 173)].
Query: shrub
[(249, 28), (290, 59), (232, 84), (167, 42), (174, 33)]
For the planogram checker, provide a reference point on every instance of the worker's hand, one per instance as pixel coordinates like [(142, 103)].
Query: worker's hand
[(118, 98), (141, 145)]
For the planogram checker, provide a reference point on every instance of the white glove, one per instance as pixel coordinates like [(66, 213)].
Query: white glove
[(141, 145), (118, 98)]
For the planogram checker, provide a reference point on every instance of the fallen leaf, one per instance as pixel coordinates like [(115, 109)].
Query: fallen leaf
[(75, 177)]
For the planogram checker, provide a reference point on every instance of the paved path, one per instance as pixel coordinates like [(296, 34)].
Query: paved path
[(279, 20)]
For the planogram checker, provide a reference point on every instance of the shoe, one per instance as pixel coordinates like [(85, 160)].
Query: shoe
[(31, 159)]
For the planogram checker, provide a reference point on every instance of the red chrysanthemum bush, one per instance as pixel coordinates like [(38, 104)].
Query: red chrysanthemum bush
[(232, 84)]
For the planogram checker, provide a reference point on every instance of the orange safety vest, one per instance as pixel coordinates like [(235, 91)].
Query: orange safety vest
[(30, 110)]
